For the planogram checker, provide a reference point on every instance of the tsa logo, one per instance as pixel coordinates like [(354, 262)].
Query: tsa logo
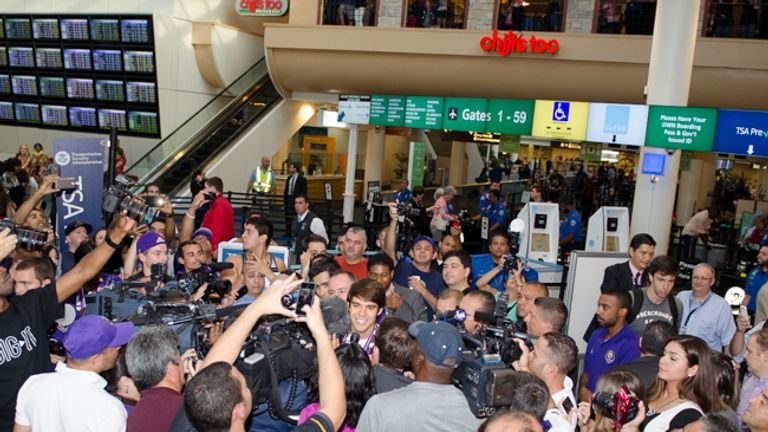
[(62, 158)]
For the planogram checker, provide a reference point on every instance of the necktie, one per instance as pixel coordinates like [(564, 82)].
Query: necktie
[(637, 278), (291, 185)]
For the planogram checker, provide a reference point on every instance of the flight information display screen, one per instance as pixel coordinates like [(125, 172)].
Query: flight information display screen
[(110, 90), (55, 115), (83, 71), (134, 30), (21, 57), (18, 28), (6, 110), (80, 88), (27, 112), (143, 122), (48, 58), (105, 30), (74, 29), (24, 85), (82, 117), (52, 87), (107, 60), (45, 29)]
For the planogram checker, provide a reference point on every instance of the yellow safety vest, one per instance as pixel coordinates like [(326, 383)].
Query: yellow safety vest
[(263, 182)]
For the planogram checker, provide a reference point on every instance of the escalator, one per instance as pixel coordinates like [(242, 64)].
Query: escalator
[(196, 142)]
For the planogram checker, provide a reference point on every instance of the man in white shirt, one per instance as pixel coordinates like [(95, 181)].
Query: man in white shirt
[(305, 223), (73, 398), (697, 228)]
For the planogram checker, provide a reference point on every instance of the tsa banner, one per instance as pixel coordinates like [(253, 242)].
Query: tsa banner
[(81, 159), (742, 132)]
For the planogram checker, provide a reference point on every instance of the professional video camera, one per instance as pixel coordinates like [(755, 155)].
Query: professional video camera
[(28, 239), (406, 210), (621, 407), (119, 198), (191, 281)]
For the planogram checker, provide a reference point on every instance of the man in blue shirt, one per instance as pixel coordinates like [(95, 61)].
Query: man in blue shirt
[(706, 314), (571, 230), (485, 199), (614, 343), (497, 211), (493, 264), (403, 194), (757, 278)]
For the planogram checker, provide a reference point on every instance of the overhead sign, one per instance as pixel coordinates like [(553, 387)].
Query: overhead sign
[(510, 116), (683, 128), (424, 112), (617, 123), (387, 110), (354, 109), (270, 8), (742, 132), (466, 114), (562, 120), (510, 42)]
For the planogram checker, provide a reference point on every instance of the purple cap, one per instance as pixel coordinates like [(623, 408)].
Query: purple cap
[(427, 239), (148, 241), (93, 334), (207, 233), (439, 341)]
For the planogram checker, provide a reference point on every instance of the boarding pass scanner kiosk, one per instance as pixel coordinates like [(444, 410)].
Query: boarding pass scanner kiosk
[(608, 230), (539, 240)]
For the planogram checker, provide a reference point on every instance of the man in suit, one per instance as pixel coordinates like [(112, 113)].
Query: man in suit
[(633, 273), (402, 302), (295, 185), (628, 275)]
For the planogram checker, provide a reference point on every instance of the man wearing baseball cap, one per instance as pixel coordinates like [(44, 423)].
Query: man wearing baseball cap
[(75, 234), (73, 397), (415, 271), (431, 402), (151, 248)]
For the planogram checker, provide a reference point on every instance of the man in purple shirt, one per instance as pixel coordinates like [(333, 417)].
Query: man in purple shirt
[(612, 344), (756, 381), (156, 367)]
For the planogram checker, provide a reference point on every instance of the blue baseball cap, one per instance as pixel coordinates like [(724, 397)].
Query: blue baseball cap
[(439, 342), (93, 334), (426, 239)]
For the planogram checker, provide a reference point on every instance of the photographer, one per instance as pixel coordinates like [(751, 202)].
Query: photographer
[(479, 307), (154, 198), (494, 262), (191, 256), (151, 250), (27, 318), (217, 398), (548, 314)]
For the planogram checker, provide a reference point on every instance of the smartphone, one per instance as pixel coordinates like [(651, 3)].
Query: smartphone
[(567, 405), (743, 310), (65, 183), (306, 296), (154, 200)]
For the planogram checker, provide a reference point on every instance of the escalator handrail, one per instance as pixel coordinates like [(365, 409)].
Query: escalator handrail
[(214, 99)]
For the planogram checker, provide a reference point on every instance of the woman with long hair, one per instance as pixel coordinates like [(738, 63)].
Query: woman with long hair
[(610, 383), (359, 385), (684, 387)]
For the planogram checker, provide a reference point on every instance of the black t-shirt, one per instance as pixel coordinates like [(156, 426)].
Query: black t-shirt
[(24, 344), (318, 422)]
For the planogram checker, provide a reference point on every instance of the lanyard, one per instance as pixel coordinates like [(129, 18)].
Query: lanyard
[(690, 306)]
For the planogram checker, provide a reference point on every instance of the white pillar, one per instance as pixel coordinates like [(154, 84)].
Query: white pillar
[(374, 155), (349, 181), (458, 163), (669, 79)]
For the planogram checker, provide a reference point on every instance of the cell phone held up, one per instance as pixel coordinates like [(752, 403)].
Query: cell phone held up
[(66, 183), (304, 295)]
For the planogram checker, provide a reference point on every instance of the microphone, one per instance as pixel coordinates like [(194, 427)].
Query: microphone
[(335, 315), (219, 266), (454, 316)]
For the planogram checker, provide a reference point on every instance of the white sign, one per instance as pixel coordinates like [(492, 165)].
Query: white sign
[(354, 109), (328, 192), (617, 123)]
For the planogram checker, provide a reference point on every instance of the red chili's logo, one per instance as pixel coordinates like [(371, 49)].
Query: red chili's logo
[(515, 42), (261, 7)]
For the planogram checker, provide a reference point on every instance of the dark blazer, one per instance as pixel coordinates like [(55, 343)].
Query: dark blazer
[(413, 308), (299, 189), (619, 276)]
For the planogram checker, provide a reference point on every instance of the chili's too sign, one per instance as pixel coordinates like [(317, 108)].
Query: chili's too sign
[(261, 7)]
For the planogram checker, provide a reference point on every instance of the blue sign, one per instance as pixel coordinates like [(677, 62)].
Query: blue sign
[(83, 160), (653, 163), (742, 132), (560, 111)]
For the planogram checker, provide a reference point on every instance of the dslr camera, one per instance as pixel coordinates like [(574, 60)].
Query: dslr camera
[(621, 407), (193, 280), (28, 239), (406, 210), (119, 198)]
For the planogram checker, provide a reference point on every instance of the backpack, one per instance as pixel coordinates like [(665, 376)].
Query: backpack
[(638, 298)]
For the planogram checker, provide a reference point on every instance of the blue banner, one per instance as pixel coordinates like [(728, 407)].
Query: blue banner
[(742, 132), (83, 160)]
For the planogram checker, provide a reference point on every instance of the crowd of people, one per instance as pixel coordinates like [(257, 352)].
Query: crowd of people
[(388, 333)]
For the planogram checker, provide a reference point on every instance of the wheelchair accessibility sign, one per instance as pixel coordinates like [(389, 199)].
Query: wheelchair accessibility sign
[(565, 120)]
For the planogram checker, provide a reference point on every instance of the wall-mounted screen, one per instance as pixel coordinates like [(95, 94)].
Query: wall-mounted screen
[(653, 163), (79, 71)]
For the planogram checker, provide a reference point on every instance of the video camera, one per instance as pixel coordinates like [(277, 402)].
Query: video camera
[(28, 239), (191, 281), (119, 198)]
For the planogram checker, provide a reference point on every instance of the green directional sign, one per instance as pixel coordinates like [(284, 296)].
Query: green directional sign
[(691, 129), (424, 112), (510, 116), (387, 110), (466, 114)]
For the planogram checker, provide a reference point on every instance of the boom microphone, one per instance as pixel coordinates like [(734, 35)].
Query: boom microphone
[(219, 266), (335, 315)]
